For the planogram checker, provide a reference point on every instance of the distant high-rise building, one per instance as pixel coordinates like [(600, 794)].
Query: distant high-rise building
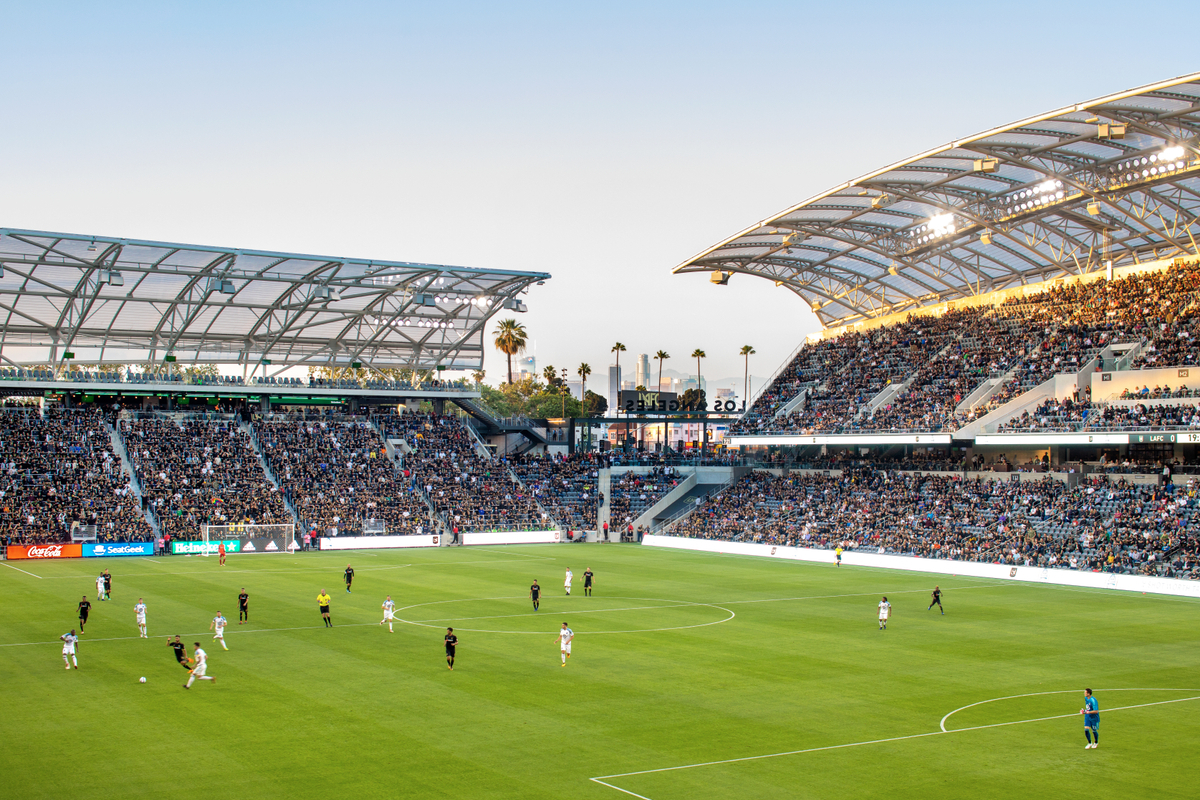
[(642, 372), (525, 368), (614, 386)]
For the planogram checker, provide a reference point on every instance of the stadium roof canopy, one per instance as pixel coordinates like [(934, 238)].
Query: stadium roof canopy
[(1115, 179), (124, 300)]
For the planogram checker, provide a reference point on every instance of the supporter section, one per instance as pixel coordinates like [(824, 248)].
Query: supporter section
[(59, 470), (1097, 523), (937, 373)]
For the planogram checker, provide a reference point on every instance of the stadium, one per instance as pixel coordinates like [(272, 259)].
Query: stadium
[(999, 404)]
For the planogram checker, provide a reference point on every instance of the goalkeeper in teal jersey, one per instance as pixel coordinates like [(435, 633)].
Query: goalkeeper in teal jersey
[(1091, 720)]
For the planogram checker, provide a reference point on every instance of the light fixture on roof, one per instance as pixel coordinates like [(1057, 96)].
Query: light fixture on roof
[(222, 286), (513, 304), (893, 271), (719, 277), (325, 293), (1154, 165), (883, 201), (1093, 208), (112, 278), (985, 237), (92, 246), (1110, 130), (427, 300), (987, 164)]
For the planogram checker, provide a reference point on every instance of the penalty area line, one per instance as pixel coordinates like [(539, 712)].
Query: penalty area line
[(602, 778)]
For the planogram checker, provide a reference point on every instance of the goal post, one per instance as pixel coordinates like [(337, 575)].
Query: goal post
[(249, 538)]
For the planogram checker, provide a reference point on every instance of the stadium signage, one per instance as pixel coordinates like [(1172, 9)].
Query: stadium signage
[(940, 566), (375, 542), (15, 551), (193, 548), (793, 440), (1047, 439), (108, 549), (512, 537)]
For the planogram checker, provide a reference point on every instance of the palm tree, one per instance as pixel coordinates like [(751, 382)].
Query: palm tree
[(747, 351), (478, 376), (551, 376), (583, 372), (618, 348), (510, 340), (661, 355), (698, 354)]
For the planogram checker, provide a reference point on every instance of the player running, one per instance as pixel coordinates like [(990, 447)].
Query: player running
[(837, 553), (389, 613), (140, 611), (937, 600), (201, 667), (323, 603), (69, 641), (567, 580), (451, 646), (885, 611), (564, 643), (243, 607), (180, 651), (84, 609), (218, 624), (535, 594), (588, 579), (349, 577), (1091, 720)]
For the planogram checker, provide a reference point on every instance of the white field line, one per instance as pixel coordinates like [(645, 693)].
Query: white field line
[(601, 779), (675, 604), (18, 569), (942, 724)]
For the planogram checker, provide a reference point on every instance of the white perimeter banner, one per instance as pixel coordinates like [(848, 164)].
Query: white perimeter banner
[(512, 537), (941, 566), (377, 542)]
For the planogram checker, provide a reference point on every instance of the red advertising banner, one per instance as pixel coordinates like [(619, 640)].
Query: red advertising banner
[(44, 551)]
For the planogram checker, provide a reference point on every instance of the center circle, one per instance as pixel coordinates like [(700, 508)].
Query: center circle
[(557, 611)]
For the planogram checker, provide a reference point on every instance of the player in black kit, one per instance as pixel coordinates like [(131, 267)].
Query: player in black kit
[(535, 592), (349, 577), (587, 582), (84, 608), (180, 651), (451, 643), (937, 600), (243, 607)]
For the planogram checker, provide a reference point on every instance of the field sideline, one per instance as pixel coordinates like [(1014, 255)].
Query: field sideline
[(693, 676)]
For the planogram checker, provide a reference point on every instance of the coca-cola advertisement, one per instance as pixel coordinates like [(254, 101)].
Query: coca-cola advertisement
[(44, 551)]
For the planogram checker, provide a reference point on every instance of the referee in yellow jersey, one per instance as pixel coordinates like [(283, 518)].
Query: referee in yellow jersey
[(323, 602)]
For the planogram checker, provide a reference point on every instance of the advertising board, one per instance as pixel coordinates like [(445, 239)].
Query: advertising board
[(377, 542), (16, 551), (109, 549)]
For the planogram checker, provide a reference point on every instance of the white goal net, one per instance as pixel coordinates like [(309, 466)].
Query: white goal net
[(249, 538)]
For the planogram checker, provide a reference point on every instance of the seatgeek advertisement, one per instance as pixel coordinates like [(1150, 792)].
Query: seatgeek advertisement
[(109, 549)]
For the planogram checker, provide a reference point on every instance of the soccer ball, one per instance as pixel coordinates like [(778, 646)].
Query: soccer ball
[(141, 680)]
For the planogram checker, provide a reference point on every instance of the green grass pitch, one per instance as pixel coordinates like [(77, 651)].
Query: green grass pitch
[(681, 660)]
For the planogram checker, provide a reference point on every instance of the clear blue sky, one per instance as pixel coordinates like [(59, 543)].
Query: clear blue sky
[(601, 143)]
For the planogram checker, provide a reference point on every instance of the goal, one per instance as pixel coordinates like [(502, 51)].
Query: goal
[(249, 538)]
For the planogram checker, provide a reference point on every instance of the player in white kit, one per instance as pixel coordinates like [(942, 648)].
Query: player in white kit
[(570, 575), (100, 588), (140, 610), (69, 641), (200, 668), (564, 642), (389, 613), (218, 624), (885, 611)]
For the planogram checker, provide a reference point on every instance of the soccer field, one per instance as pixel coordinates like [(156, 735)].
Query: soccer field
[(693, 676)]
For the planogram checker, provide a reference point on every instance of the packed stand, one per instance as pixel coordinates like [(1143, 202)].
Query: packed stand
[(58, 471), (337, 475), (200, 472), (1101, 524), (468, 491)]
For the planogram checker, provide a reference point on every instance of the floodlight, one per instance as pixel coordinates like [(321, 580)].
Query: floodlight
[(719, 278), (113, 278)]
